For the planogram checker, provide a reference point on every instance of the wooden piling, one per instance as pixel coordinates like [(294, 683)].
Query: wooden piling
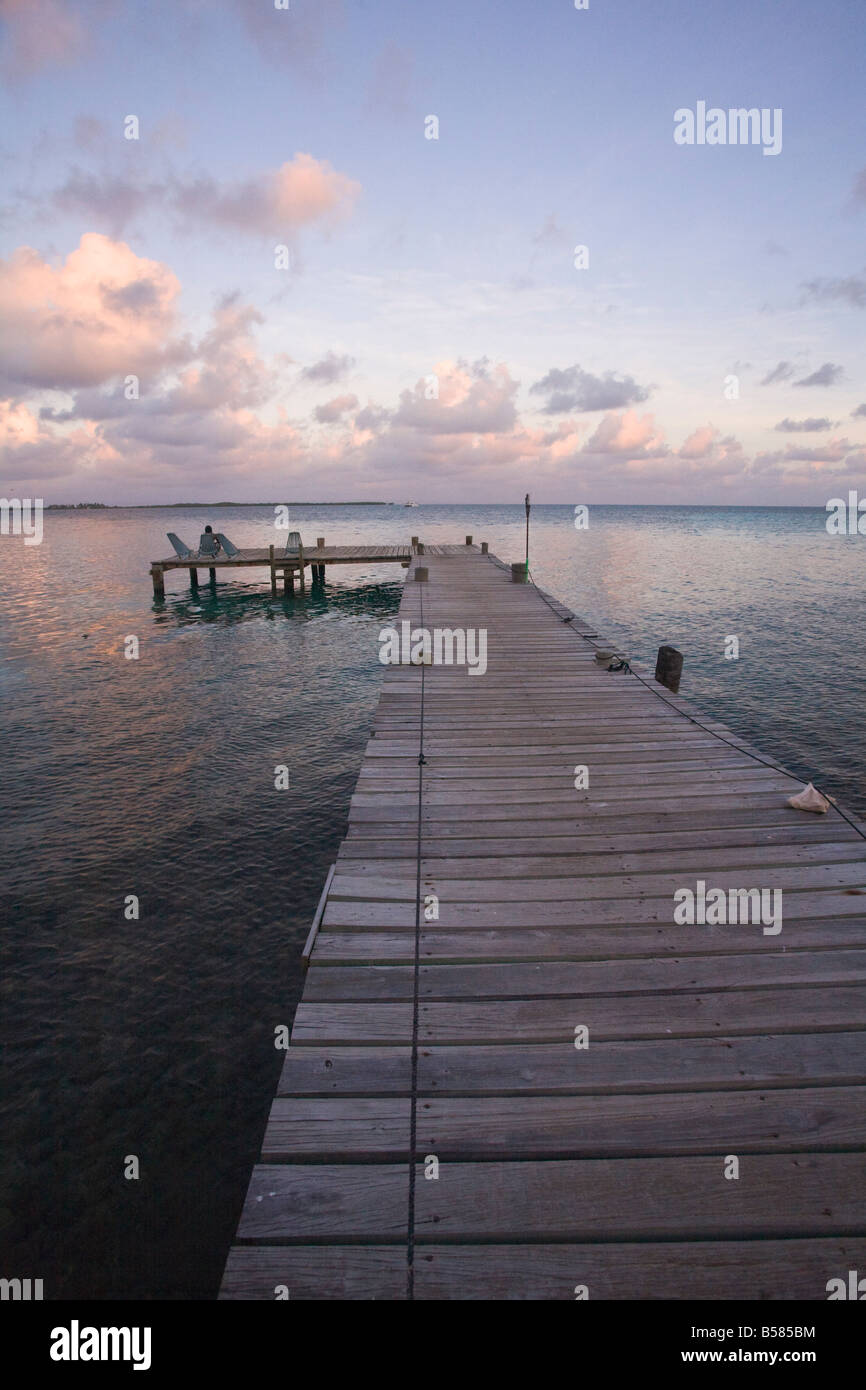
[(157, 574), (212, 574), (518, 572), (288, 580), (414, 542), (320, 541), (193, 578), (468, 540), (422, 574), (273, 571), (669, 668), (483, 547), (301, 574)]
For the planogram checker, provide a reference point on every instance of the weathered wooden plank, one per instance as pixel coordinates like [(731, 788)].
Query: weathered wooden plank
[(776, 1196), (575, 1126), (692, 1063), (763, 1270), (728, 1012), (640, 975)]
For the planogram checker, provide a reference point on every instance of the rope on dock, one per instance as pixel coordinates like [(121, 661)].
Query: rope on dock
[(739, 748), (413, 1112)]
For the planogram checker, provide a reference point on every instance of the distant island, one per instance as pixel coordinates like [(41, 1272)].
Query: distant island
[(164, 506)]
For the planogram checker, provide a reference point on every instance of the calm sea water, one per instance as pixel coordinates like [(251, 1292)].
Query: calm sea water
[(155, 777)]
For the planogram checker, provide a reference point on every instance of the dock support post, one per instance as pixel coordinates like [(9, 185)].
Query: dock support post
[(518, 572), (157, 574), (419, 548), (422, 574), (484, 547), (212, 574), (320, 541), (414, 542), (468, 540), (273, 571), (301, 574), (193, 578), (288, 580), (669, 668)]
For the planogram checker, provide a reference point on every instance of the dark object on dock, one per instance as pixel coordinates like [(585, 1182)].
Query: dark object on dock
[(669, 668), (518, 572), (422, 574)]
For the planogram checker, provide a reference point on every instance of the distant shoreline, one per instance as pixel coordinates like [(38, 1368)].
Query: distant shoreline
[(163, 506)]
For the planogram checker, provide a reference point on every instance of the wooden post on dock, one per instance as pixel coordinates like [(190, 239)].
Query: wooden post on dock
[(157, 574), (288, 580), (669, 668), (518, 572), (419, 547), (414, 542), (422, 574), (468, 540), (193, 578), (273, 571), (484, 547), (212, 574), (301, 569), (320, 541)]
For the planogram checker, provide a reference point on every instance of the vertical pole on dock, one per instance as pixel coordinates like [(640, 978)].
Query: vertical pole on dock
[(468, 540), (527, 536), (301, 569), (422, 574), (288, 580), (273, 571), (484, 547), (414, 542), (212, 574), (669, 668), (193, 578), (518, 572), (320, 541), (157, 574)]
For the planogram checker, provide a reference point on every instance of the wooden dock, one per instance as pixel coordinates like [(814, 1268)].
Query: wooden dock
[(272, 558), (546, 1092)]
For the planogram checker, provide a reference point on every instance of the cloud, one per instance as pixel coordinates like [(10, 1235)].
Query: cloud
[(105, 312), (38, 34), (859, 410), (850, 289), (827, 375), (572, 388), (773, 248), (330, 368), (808, 426), (472, 399), (390, 85), (293, 37), (783, 372), (276, 202), (334, 410), (301, 191)]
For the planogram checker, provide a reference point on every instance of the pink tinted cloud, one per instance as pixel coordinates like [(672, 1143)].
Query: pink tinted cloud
[(104, 312), (301, 191), (38, 34)]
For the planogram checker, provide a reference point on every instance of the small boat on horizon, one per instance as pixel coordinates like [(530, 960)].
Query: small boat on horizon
[(411, 504)]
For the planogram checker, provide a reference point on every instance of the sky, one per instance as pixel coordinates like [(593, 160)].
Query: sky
[(331, 250)]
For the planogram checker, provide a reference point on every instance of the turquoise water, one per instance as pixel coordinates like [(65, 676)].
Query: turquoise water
[(155, 778)]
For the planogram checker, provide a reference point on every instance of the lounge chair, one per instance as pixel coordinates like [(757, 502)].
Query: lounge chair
[(293, 544), (228, 548), (183, 551)]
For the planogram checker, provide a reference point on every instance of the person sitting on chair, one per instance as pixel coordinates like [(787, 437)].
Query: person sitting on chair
[(209, 543)]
